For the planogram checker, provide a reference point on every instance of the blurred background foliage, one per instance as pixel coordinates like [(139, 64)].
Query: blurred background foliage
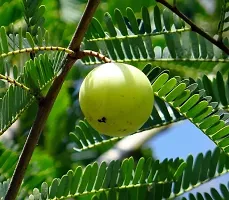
[(54, 155)]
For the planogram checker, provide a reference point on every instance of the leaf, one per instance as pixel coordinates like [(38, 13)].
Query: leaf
[(37, 74), (146, 20), (157, 18), (34, 12), (3, 188), (168, 179), (4, 40), (124, 40), (30, 40), (116, 176)]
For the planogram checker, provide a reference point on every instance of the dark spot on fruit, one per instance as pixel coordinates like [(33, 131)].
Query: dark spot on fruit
[(103, 119), (122, 130)]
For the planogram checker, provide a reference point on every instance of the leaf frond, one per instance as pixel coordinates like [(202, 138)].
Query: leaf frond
[(217, 88), (214, 194), (128, 39), (194, 105), (12, 108), (34, 16), (85, 137), (13, 44), (116, 176), (36, 75), (224, 19), (147, 179)]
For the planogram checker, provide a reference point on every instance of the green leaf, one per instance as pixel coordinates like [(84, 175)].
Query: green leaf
[(167, 19), (180, 171), (4, 40), (63, 186), (100, 177), (160, 81), (85, 179), (30, 39), (195, 44), (157, 18), (167, 87), (133, 20), (146, 20), (115, 177), (138, 171), (54, 188), (76, 180), (44, 191)]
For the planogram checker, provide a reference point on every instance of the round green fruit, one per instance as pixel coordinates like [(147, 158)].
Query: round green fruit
[(116, 99)]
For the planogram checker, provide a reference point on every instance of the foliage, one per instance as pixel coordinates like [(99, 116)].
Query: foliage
[(115, 177), (188, 73)]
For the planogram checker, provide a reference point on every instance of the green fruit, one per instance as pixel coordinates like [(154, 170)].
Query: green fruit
[(116, 99)]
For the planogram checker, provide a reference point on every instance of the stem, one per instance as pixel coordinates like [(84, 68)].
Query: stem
[(46, 104), (194, 27), (12, 81), (96, 54), (83, 25), (32, 50)]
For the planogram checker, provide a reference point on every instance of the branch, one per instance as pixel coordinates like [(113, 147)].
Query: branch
[(46, 104), (83, 25), (194, 27)]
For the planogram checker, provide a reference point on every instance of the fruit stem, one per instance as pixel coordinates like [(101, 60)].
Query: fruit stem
[(97, 54)]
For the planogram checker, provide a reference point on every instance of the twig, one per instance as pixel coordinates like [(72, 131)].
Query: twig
[(14, 82), (80, 54), (83, 25), (46, 104), (31, 50), (194, 27), (95, 54), (38, 96)]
